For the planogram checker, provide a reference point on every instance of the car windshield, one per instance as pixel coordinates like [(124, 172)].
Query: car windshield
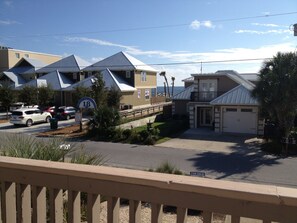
[(17, 113)]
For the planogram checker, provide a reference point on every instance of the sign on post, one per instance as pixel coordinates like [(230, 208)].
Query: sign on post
[(86, 102)]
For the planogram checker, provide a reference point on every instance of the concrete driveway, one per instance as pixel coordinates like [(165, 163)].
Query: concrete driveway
[(205, 139)]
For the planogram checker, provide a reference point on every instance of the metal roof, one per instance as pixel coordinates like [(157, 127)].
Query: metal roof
[(68, 64), (56, 80), (189, 79), (239, 95), (110, 79), (15, 77), (120, 61), (185, 94)]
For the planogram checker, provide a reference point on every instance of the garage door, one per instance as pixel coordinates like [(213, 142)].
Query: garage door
[(240, 120)]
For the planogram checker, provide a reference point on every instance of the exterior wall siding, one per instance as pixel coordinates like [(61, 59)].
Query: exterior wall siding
[(131, 98), (180, 107), (224, 83), (151, 79)]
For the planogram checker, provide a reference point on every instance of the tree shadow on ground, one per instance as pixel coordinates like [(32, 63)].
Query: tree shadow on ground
[(242, 160)]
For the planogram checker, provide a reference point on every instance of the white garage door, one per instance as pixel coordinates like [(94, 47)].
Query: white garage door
[(240, 120)]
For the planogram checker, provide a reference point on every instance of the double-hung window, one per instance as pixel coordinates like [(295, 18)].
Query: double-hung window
[(143, 76)]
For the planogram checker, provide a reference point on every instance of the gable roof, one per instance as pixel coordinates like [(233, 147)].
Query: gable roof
[(14, 77), (240, 95), (110, 80), (31, 65), (185, 94), (71, 63), (120, 61), (56, 80)]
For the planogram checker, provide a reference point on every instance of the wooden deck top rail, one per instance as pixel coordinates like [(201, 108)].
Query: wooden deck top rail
[(32, 190)]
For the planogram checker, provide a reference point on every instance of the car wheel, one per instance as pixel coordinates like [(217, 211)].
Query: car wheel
[(29, 122), (47, 119), (68, 117)]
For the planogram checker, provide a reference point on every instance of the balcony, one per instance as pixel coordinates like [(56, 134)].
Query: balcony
[(205, 96), (36, 191)]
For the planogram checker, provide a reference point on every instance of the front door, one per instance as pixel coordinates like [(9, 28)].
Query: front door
[(205, 116)]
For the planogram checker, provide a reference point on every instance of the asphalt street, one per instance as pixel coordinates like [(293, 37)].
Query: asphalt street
[(236, 165)]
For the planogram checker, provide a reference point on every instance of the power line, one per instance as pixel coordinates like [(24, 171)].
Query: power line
[(152, 27)]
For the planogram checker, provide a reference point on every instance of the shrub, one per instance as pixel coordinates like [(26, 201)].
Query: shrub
[(135, 137), (127, 133), (150, 140), (167, 167)]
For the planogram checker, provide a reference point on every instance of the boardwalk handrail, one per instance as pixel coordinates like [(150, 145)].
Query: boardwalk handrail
[(24, 183)]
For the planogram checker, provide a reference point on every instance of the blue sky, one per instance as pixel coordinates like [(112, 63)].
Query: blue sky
[(158, 32)]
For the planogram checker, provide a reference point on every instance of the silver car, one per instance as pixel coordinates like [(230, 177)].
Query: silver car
[(29, 116)]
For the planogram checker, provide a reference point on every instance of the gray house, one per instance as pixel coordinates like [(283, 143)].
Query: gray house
[(222, 101)]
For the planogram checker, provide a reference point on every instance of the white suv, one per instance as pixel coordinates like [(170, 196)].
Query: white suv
[(28, 116)]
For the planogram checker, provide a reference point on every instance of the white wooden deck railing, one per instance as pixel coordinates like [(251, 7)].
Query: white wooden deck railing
[(32, 191)]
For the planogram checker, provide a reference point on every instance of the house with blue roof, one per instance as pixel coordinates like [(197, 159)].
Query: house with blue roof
[(222, 101)]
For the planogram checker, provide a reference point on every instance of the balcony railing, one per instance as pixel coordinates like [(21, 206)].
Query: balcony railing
[(34, 191), (205, 96)]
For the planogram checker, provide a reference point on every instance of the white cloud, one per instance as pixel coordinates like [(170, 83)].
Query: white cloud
[(197, 24), (273, 31), (8, 22), (96, 59), (190, 62), (265, 24), (8, 3)]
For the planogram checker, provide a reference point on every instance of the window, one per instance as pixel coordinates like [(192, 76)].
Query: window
[(153, 92), (128, 74), (231, 109), (27, 55), (74, 76), (147, 94), (17, 55), (246, 110), (143, 76), (138, 93)]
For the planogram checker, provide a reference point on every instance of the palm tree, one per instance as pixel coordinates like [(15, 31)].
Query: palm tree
[(277, 92), (172, 79), (163, 74)]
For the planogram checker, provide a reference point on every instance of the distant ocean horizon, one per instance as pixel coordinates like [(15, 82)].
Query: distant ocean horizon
[(176, 90)]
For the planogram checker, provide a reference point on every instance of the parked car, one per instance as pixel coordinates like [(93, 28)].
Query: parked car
[(66, 112), (50, 110), (16, 105), (29, 116)]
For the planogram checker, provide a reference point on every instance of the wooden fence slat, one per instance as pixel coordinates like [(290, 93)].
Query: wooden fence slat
[(93, 208), (56, 205), (74, 212), (38, 204), (157, 213), (8, 202), (134, 211), (113, 210), (24, 214), (182, 215)]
